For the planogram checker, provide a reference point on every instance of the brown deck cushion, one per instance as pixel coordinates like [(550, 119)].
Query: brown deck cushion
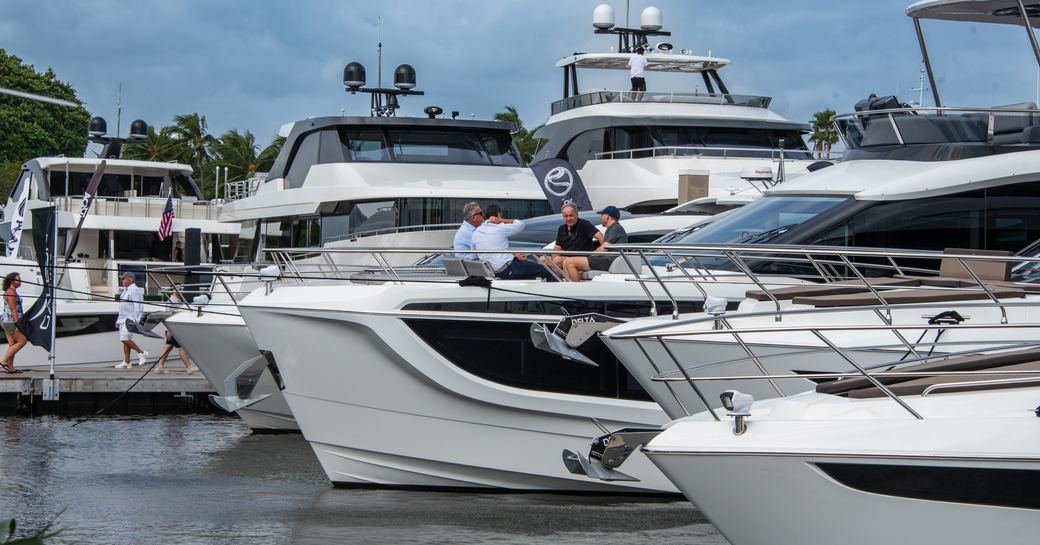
[(917, 386), (986, 270), (832, 288), (899, 297), (954, 363)]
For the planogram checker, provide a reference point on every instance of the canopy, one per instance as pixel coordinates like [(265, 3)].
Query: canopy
[(976, 11), (657, 62)]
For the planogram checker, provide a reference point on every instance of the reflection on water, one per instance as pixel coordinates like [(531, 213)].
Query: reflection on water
[(205, 479)]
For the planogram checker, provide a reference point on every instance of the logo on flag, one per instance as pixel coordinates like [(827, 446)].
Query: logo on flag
[(166, 223)]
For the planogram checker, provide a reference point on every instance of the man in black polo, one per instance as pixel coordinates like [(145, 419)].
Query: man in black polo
[(575, 235)]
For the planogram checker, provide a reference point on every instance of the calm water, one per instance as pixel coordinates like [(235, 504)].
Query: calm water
[(205, 479)]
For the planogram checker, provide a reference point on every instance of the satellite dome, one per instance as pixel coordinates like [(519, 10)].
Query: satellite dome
[(404, 77), (98, 127), (138, 130), (603, 17), (354, 76), (650, 19)]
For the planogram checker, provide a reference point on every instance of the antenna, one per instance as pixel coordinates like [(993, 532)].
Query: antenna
[(920, 87), (119, 109), (379, 52)]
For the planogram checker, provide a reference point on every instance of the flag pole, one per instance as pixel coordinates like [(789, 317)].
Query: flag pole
[(54, 314)]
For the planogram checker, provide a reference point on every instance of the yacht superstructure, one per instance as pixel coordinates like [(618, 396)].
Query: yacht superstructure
[(632, 148)]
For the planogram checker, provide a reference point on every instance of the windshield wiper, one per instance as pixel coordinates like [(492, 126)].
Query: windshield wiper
[(766, 236)]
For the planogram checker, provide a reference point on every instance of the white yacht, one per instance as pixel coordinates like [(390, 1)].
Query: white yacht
[(375, 181), (633, 150), (118, 235)]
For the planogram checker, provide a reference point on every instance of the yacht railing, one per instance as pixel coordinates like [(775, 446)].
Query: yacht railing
[(915, 126), (392, 231), (140, 207), (706, 151), (609, 96)]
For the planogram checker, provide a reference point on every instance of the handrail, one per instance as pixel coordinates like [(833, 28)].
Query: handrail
[(699, 151), (606, 96)]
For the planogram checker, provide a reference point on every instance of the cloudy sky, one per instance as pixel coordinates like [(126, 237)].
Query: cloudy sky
[(254, 65)]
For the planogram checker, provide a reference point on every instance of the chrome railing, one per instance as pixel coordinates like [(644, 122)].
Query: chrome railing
[(392, 231), (713, 152), (140, 207), (608, 96)]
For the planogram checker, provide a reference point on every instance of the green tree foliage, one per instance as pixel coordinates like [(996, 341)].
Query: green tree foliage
[(190, 130), (31, 128), (823, 135), (523, 138)]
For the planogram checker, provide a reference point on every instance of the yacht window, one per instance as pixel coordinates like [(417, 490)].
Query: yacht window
[(23, 178), (71, 326), (365, 146), (276, 234), (307, 231), (500, 149), (999, 218), (244, 246), (584, 147), (184, 186), (141, 245), (763, 220), (436, 147), (306, 155)]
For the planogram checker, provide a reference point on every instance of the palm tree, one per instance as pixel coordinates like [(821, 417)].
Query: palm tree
[(266, 159), (238, 153), (823, 134), (524, 139), (160, 146), (194, 142)]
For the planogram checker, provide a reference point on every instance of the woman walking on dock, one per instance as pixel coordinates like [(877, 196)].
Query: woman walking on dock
[(12, 312)]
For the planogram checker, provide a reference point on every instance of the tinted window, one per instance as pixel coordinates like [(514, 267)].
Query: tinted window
[(306, 155), (763, 220), (584, 147), (23, 178), (436, 147), (365, 146), (500, 149)]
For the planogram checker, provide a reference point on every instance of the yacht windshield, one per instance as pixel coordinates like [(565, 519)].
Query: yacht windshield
[(763, 220)]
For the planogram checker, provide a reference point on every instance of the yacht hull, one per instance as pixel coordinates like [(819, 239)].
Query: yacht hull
[(862, 476), (218, 344), (380, 407)]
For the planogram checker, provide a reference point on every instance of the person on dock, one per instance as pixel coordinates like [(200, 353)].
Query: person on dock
[(175, 302), (472, 217), (131, 307), (16, 340), (614, 234)]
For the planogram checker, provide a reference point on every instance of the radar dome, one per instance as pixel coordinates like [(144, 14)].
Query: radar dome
[(650, 19), (98, 127), (139, 130), (404, 77), (354, 75), (603, 17)]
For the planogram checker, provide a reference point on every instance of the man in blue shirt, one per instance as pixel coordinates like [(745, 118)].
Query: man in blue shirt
[(494, 234), (472, 217)]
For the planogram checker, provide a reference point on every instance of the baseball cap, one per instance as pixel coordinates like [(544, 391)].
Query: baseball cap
[(611, 211)]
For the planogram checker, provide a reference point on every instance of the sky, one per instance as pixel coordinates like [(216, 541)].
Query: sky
[(256, 65)]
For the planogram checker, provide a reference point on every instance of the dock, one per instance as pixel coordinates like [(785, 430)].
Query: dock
[(85, 391)]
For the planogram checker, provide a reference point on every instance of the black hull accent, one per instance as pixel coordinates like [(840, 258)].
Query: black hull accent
[(997, 487)]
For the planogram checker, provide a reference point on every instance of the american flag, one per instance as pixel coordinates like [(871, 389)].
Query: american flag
[(166, 223)]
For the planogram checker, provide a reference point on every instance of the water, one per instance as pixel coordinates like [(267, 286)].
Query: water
[(207, 480)]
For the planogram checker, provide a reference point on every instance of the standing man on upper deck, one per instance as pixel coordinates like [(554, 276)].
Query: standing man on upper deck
[(636, 67)]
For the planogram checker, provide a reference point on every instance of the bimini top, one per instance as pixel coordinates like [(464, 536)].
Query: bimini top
[(975, 11), (657, 62)]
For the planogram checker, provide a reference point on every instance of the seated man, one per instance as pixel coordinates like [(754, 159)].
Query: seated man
[(472, 217), (575, 235), (494, 234), (615, 234)]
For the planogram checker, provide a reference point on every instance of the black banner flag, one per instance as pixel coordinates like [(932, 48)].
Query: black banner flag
[(561, 183), (36, 323), (88, 199)]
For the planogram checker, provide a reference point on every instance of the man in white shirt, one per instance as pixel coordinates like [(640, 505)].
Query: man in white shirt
[(494, 234), (131, 307), (472, 217), (636, 66)]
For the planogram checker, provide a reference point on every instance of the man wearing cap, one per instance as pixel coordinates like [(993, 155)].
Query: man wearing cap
[(614, 234), (131, 307)]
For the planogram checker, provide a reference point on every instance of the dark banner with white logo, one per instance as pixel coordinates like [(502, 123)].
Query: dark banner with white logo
[(88, 199), (36, 323), (561, 183)]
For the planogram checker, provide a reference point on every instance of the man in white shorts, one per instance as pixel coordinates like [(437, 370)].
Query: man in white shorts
[(131, 307)]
